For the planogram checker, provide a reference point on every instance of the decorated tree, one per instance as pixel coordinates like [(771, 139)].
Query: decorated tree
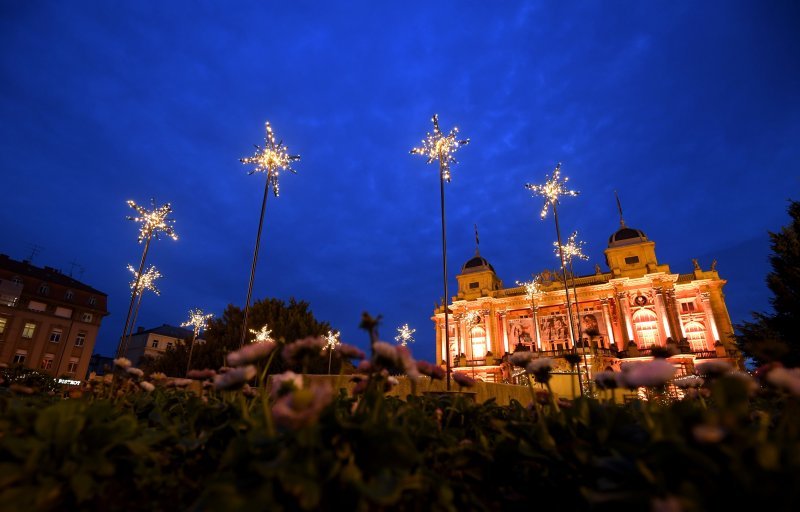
[(775, 337)]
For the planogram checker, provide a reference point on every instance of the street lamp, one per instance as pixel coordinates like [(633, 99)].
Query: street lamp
[(331, 342), (146, 282), (198, 321), (440, 147)]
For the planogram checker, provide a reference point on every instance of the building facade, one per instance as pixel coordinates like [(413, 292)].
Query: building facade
[(154, 342), (618, 315), (48, 321)]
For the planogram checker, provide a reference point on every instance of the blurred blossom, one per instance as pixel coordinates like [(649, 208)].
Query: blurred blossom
[(521, 359), (122, 362), (607, 380), (435, 372), (302, 407), (463, 380), (751, 385), (249, 392), (540, 368), (785, 379), (135, 371), (350, 352), (201, 374), (691, 381), (178, 383), (713, 368), (648, 374), (364, 367), (251, 353), (158, 376), (235, 378), (147, 386), (310, 347), (708, 434), (284, 383)]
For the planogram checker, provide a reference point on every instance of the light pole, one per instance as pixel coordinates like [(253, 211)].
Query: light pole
[(270, 159), (331, 342), (197, 320), (146, 282), (440, 147), (533, 287), (153, 223), (552, 189)]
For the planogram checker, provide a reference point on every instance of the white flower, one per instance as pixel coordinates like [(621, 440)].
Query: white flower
[(521, 358), (251, 353), (713, 368), (147, 386), (284, 383), (649, 374), (122, 362), (783, 378), (135, 371), (235, 377), (690, 381), (540, 364)]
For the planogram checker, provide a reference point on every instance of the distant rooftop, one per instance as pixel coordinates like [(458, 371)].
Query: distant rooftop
[(48, 274)]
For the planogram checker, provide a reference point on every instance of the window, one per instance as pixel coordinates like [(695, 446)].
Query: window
[(47, 362), (474, 285), (37, 306), (44, 289), (80, 339), (55, 336), (631, 260), (687, 307), (72, 366), (169, 344), (478, 336), (696, 335), (63, 312), (86, 317), (28, 330), (3, 323), (69, 295), (92, 300), (154, 344), (646, 327), (19, 357)]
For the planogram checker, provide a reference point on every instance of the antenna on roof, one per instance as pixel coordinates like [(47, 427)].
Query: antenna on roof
[(74, 263), (619, 207), (35, 249)]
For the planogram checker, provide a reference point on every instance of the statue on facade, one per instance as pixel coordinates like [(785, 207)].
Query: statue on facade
[(714, 266), (696, 264)]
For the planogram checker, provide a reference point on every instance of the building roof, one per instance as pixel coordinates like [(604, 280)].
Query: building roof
[(168, 330), (476, 263), (626, 235), (48, 274)]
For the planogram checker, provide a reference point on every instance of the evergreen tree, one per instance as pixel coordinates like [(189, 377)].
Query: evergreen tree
[(288, 322), (775, 337)]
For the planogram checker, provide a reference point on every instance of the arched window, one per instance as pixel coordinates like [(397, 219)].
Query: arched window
[(478, 336), (645, 325), (696, 334)]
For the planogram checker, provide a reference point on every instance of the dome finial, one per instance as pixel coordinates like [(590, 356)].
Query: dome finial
[(619, 207), (477, 242)]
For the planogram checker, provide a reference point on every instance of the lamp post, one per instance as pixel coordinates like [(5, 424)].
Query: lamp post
[(197, 320), (439, 147), (331, 342), (146, 282), (153, 223), (571, 250), (270, 159), (532, 288), (553, 188)]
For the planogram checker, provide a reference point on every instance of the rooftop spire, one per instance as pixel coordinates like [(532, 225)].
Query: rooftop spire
[(619, 207), (477, 242)]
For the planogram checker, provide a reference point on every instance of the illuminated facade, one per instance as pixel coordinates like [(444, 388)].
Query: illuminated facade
[(48, 321), (621, 314), (154, 342)]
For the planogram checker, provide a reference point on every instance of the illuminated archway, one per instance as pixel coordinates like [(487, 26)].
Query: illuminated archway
[(645, 326)]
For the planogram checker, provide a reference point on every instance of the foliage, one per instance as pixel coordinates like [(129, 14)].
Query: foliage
[(288, 321), (28, 377), (773, 337), (119, 447)]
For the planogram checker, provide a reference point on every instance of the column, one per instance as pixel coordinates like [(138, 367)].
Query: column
[(672, 311), (705, 297), (624, 319), (538, 337), (662, 313), (487, 327), (504, 322), (607, 319)]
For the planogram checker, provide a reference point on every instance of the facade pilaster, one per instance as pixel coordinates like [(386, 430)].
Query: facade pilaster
[(607, 320), (705, 298)]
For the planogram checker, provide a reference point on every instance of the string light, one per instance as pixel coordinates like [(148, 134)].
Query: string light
[(437, 146), (554, 187), (331, 340), (262, 335), (404, 335), (146, 282), (572, 249), (197, 320), (472, 317), (532, 287), (270, 159), (153, 221)]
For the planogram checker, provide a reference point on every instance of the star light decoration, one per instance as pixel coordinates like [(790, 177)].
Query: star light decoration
[(532, 287), (262, 335), (270, 159), (438, 146), (331, 340), (197, 320), (146, 282), (554, 187), (472, 317), (404, 335), (572, 249), (153, 221)]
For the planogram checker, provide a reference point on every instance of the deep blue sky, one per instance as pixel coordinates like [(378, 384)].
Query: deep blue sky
[(691, 110)]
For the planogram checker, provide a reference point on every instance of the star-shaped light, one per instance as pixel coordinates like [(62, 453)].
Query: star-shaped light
[(331, 340), (198, 320), (532, 287), (404, 335), (271, 159), (262, 335), (554, 187), (147, 281), (438, 146), (153, 221), (572, 249)]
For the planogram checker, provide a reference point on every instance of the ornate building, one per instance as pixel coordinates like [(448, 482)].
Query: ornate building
[(48, 320), (620, 314)]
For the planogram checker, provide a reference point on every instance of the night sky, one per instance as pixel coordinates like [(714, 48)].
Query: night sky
[(690, 110)]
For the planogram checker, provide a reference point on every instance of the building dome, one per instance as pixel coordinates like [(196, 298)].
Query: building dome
[(626, 235), (476, 263)]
